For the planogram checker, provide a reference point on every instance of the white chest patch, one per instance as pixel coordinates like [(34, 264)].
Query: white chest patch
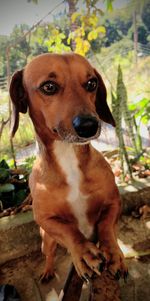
[(68, 161)]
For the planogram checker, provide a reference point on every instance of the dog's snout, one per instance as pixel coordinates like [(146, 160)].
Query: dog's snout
[(85, 126)]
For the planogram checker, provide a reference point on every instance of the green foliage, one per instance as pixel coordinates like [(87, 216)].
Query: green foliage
[(141, 110), (28, 163), (120, 111), (109, 4), (4, 165), (88, 29), (4, 175), (133, 114), (123, 99), (38, 38), (141, 114), (146, 14), (94, 30), (145, 160), (24, 136), (55, 42), (6, 188), (13, 185)]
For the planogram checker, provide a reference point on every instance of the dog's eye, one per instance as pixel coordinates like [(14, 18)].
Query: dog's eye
[(49, 88), (91, 85)]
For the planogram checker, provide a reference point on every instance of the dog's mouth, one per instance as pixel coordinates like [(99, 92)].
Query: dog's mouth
[(84, 130), (71, 138)]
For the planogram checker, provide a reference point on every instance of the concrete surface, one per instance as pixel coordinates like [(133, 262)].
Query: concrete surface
[(14, 241), (134, 239), (21, 261), (19, 235)]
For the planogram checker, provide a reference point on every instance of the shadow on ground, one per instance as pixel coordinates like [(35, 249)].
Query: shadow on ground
[(134, 238)]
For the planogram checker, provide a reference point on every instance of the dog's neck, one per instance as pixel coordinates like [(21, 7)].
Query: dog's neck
[(63, 150), (69, 151)]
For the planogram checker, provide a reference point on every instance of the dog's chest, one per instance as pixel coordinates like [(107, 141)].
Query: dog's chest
[(68, 162)]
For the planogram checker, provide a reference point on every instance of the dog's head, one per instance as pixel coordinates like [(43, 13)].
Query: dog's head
[(65, 95)]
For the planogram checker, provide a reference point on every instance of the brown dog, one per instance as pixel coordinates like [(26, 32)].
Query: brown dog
[(72, 186)]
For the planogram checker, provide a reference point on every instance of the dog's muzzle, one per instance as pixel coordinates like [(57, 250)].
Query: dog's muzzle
[(85, 126)]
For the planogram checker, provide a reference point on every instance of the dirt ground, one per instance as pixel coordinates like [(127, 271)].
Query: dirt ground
[(134, 239)]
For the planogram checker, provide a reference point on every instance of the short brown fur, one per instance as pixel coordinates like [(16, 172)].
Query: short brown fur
[(54, 185)]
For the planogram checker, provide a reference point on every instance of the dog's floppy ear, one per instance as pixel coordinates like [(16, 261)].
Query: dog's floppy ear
[(101, 104), (19, 99)]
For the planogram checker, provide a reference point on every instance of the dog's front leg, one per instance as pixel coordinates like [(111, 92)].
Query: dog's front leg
[(108, 240), (48, 248), (85, 255)]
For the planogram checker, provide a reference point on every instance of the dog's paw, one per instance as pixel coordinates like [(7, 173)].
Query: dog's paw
[(46, 276), (115, 262), (87, 259), (48, 272)]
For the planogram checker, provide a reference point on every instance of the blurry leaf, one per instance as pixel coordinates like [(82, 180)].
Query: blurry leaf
[(3, 164), (6, 187), (139, 113), (28, 163), (55, 32), (75, 16), (109, 5), (11, 163), (93, 20), (132, 106), (4, 175), (101, 29), (142, 103), (99, 11), (20, 196), (82, 46), (145, 119), (142, 109), (92, 35)]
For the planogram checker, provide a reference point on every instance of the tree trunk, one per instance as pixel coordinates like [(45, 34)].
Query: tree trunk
[(73, 25), (10, 112), (135, 36)]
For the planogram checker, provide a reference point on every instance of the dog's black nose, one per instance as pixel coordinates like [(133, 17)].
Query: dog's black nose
[(85, 126)]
